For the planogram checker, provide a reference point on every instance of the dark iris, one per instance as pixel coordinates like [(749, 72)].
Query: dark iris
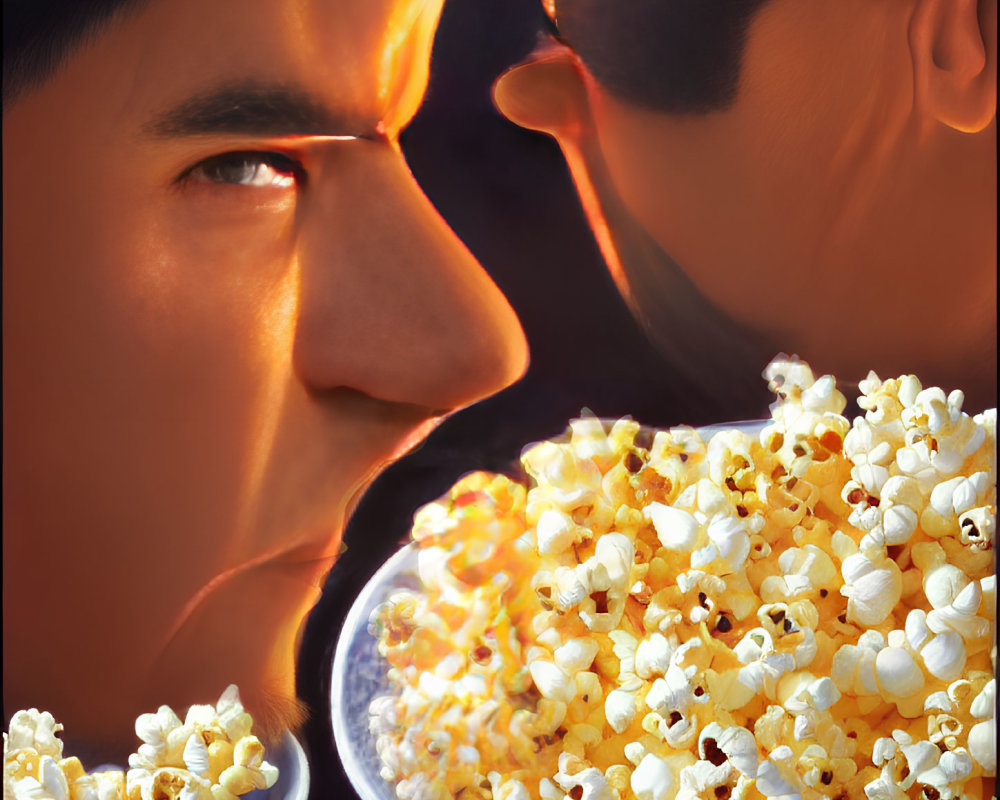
[(242, 167)]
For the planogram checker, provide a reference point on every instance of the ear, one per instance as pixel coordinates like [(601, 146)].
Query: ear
[(546, 93), (954, 47)]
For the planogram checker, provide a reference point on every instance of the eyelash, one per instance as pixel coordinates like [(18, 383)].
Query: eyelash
[(247, 165)]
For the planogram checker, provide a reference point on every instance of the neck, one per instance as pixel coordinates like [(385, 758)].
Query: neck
[(721, 360)]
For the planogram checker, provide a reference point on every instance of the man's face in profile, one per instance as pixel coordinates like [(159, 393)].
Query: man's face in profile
[(227, 305)]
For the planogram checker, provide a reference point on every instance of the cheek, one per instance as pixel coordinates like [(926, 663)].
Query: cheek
[(215, 278), (137, 356), (685, 182), (723, 193), (212, 319)]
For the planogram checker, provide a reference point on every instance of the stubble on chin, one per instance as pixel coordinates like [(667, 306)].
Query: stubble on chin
[(275, 713)]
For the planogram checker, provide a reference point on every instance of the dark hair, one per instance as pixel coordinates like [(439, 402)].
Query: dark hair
[(680, 56), (38, 36)]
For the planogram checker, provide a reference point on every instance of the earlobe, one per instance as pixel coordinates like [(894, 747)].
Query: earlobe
[(954, 47), (545, 93)]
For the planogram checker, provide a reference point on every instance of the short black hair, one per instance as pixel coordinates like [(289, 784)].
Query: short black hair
[(678, 56), (38, 36)]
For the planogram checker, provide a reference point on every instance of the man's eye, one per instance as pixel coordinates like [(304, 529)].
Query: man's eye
[(259, 170)]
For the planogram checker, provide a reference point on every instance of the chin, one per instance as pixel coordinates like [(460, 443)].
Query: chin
[(274, 712), (245, 633), (268, 694)]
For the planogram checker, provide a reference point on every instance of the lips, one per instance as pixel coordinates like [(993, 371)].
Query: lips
[(323, 460), (403, 446), (308, 560)]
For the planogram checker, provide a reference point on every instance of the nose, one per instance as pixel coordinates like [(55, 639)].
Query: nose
[(391, 303)]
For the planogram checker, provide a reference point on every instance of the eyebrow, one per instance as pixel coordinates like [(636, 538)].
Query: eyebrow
[(251, 109)]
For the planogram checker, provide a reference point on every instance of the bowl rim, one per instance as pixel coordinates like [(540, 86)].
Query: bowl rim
[(356, 622)]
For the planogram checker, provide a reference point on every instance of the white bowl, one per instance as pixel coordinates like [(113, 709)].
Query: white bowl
[(359, 673), (359, 676)]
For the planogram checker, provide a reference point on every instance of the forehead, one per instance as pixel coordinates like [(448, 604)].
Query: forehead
[(354, 56)]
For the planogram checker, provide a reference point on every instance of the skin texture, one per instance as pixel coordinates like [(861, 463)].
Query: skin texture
[(205, 364), (842, 207)]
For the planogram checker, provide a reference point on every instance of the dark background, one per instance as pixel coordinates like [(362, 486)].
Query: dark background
[(508, 195)]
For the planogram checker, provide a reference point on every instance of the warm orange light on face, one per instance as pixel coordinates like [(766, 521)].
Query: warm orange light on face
[(585, 171), (274, 348), (405, 62)]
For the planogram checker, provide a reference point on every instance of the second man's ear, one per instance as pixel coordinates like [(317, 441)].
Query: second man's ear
[(954, 47), (547, 92)]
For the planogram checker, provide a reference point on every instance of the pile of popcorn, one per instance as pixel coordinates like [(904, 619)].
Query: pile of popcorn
[(807, 613), (211, 755)]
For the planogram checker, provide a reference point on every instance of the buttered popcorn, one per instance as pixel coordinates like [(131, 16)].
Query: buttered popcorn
[(210, 755), (807, 613)]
